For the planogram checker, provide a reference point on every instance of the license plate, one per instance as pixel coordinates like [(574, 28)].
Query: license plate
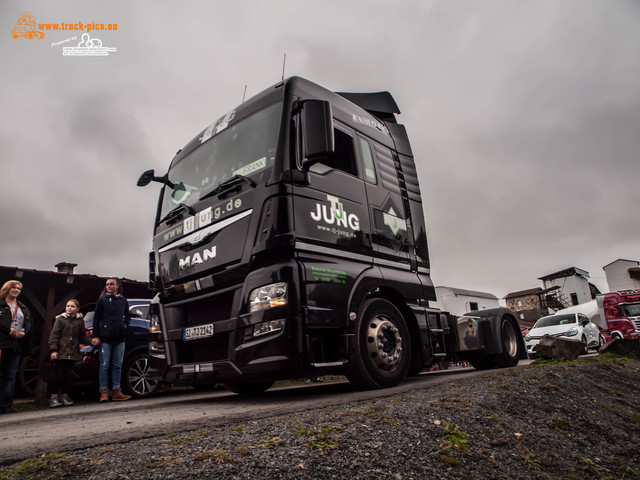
[(201, 331)]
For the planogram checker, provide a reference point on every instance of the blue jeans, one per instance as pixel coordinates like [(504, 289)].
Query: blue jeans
[(111, 354), (9, 363)]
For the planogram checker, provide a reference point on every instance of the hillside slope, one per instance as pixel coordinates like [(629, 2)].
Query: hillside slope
[(558, 420)]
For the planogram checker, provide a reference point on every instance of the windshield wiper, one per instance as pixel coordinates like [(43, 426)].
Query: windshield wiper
[(178, 211), (233, 181)]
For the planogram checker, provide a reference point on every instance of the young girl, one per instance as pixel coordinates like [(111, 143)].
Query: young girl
[(64, 343)]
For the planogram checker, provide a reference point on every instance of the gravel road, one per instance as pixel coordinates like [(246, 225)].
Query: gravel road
[(557, 420)]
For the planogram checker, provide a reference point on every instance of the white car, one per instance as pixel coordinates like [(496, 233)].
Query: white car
[(570, 325)]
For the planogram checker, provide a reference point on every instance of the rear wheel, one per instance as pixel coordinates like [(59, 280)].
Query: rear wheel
[(254, 388), (481, 363), (509, 356), (136, 380), (382, 353), (509, 338)]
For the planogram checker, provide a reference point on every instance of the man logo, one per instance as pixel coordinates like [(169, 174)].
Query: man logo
[(197, 258)]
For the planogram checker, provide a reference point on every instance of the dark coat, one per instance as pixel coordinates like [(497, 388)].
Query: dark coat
[(66, 336), (23, 345), (111, 318)]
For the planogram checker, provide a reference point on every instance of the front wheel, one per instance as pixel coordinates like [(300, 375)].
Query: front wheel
[(135, 379), (601, 341), (382, 353), (585, 346)]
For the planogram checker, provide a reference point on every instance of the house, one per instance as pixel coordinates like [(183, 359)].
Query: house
[(527, 305), (458, 301), (622, 275), (573, 285)]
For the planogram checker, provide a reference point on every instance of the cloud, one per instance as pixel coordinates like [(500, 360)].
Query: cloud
[(524, 119)]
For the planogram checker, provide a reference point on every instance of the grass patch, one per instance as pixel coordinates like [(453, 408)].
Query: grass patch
[(502, 386), (493, 416), (455, 441), (272, 442), (163, 462), (52, 465), (321, 440), (375, 411), (218, 455), (560, 424), (451, 403), (532, 460), (300, 431)]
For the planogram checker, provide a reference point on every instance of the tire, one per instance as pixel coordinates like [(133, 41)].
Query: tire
[(382, 353), (255, 388), (585, 346), (481, 363), (615, 336), (510, 346), (601, 341), (509, 357), (135, 376)]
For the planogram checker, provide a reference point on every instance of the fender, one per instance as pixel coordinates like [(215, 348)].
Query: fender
[(489, 323)]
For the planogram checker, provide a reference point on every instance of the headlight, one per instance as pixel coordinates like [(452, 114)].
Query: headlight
[(154, 325), (268, 327), (571, 333), (268, 296), (156, 337)]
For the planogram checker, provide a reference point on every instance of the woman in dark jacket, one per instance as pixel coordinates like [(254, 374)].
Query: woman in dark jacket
[(15, 340), (67, 334), (110, 320)]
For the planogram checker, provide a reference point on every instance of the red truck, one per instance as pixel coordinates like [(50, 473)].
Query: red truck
[(621, 312)]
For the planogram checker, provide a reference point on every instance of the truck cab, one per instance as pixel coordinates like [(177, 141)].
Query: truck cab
[(621, 312)]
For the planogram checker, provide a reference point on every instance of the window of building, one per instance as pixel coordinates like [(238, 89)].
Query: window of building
[(574, 298), (473, 306)]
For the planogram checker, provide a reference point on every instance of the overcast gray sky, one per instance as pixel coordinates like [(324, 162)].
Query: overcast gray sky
[(524, 118)]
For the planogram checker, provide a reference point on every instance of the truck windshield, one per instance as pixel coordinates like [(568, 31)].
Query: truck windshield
[(246, 148), (631, 309)]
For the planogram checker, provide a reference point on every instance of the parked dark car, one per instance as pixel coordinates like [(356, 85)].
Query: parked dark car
[(135, 367)]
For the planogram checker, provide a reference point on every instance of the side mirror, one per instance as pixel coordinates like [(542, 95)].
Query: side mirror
[(149, 176), (146, 178), (317, 131)]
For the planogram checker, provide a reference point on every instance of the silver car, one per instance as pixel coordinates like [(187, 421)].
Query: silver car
[(570, 325)]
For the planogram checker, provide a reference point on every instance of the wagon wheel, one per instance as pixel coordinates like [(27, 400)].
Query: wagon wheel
[(28, 373)]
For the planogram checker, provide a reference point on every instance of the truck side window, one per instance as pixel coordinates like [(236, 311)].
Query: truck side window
[(367, 159), (343, 157)]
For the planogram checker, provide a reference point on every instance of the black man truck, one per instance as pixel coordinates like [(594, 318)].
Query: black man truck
[(290, 242)]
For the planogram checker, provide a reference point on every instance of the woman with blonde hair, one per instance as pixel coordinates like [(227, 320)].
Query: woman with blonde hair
[(15, 340)]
